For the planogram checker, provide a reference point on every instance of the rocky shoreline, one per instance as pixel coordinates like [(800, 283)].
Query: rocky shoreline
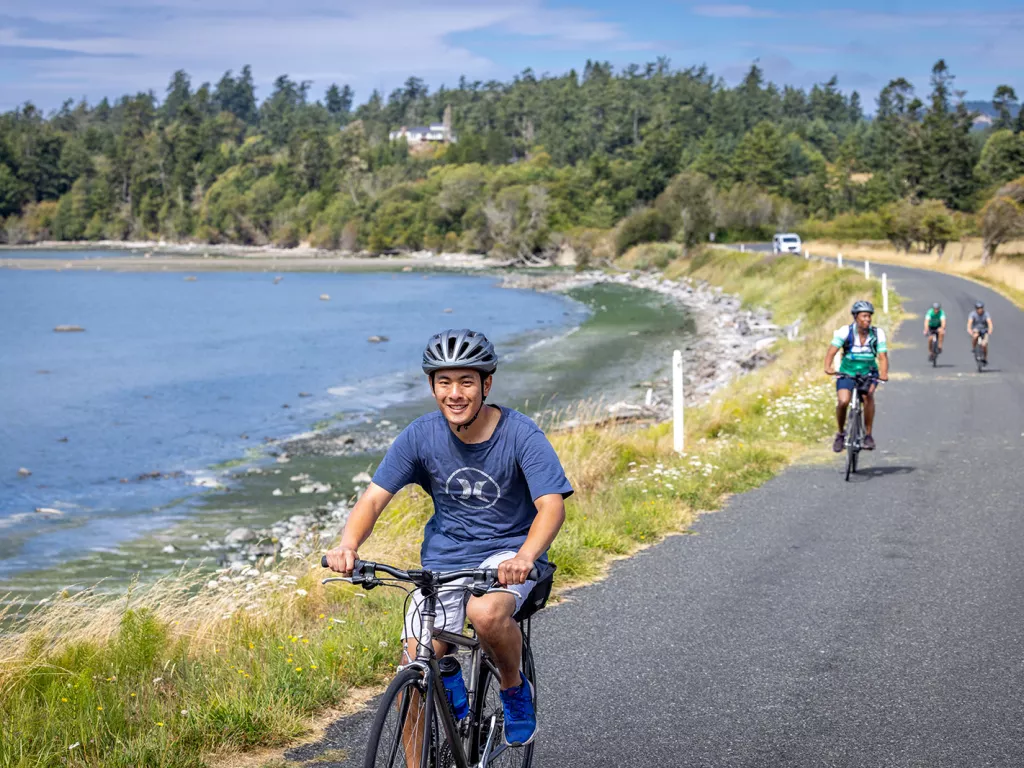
[(730, 341)]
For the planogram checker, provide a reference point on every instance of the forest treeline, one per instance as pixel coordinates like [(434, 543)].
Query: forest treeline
[(652, 151)]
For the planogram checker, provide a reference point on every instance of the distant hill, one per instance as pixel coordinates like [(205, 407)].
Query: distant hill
[(985, 108)]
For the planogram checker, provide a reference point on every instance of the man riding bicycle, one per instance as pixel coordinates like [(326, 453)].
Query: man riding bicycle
[(865, 353), (979, 325), (498, 490), (935, 322)]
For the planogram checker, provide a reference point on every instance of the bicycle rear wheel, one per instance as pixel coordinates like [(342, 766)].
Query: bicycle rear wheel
[(852, 438), (978, 357), (396, 736), (488, 704)]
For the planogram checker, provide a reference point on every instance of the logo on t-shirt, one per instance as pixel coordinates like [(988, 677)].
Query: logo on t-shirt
[(472, 488)]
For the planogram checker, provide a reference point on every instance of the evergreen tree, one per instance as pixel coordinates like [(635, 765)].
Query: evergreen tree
[(1004, 100)]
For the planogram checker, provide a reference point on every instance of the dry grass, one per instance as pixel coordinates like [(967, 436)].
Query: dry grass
[(1005, 274)]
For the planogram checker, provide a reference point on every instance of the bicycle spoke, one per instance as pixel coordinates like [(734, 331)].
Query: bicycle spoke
[(397, 736)]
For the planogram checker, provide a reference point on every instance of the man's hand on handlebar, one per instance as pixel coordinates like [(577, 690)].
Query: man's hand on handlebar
[(342, 560), (515, 571)]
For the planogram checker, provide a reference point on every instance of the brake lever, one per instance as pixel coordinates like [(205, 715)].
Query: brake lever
[(482, 586)]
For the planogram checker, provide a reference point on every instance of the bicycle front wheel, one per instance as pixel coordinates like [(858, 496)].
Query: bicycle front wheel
[(398, 733), (488, 705), (852, 438)]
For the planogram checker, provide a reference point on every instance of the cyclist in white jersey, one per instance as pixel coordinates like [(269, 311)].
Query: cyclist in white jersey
[(979, 325)]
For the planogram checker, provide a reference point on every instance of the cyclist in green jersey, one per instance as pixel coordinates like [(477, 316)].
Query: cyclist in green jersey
[(865, 352), (935, 320)]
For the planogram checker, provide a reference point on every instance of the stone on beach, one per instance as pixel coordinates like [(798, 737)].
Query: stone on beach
[(169, 549), (377, 339), (362, 478), (240, 536), (24, 472)]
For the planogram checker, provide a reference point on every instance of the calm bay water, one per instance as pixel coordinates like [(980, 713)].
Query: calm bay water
[(174, 376)]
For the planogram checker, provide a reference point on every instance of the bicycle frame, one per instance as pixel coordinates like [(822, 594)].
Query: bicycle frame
[(427, 662), (434, 694)]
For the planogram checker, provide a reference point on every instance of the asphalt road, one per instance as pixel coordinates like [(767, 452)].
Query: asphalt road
[(814, 622)]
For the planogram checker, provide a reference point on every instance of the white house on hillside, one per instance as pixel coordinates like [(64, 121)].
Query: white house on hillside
[(435, 132)]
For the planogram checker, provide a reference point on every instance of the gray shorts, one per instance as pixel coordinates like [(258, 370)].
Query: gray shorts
[(451, 603)]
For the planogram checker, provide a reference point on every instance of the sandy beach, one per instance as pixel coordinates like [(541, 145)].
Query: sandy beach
[(151, 256)]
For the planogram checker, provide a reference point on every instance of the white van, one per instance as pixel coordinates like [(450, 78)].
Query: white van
[(786, 243)]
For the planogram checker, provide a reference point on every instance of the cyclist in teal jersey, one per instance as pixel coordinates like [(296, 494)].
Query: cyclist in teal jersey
[(935, 320), (865, 352)]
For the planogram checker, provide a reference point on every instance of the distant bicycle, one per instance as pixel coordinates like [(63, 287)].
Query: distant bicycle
[(979, 353), (933, 345), (855, 421), (416, 725)]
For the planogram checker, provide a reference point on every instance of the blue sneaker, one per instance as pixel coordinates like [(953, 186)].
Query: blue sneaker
[(520, 716)]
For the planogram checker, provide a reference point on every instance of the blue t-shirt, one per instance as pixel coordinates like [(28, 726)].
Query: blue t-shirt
[(483, 493)]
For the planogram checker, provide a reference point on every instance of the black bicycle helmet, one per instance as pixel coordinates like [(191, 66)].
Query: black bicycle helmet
[(460, 349), (862, 306)]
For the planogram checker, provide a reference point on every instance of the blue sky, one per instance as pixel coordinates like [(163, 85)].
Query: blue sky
[(93, 48)]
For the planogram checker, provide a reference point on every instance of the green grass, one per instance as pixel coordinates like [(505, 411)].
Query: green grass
[(177, 671)]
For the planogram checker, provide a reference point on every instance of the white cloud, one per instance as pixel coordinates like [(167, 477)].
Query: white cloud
[(368, 45), (731, 11)]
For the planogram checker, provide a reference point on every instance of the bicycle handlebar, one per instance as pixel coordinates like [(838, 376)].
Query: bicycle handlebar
[(366, 571)]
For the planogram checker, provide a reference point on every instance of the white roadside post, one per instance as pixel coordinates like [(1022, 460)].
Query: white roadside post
[(807, 254), (885, 293), (743, 248), (677, 401), (867, 270), (839, 260), (649, 399)]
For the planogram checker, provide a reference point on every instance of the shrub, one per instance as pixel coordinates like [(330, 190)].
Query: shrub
[(651, 255), (1002, 218), (648, 225)]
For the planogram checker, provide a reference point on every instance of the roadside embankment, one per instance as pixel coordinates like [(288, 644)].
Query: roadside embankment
[(1004, 273), (180, 672)]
